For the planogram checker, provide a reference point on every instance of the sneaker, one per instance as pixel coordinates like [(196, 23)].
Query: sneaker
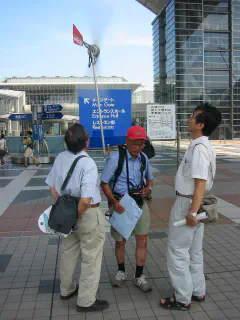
[(120, 279), (142, 284), (98, 305)]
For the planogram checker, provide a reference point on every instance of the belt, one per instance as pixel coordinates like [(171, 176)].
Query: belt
[(189, 196), (95, 205)]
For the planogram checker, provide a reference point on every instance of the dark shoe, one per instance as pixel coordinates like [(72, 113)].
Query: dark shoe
[(173, 304), (74, 293), (198, 299), (98, 305)]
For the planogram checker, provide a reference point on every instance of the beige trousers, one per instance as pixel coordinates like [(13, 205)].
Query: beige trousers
[(87, 242)]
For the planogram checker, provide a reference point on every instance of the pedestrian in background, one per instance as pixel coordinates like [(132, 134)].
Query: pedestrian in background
[(28, 150), (3, 150)]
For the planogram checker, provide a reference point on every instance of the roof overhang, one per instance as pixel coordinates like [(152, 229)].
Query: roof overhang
[(79, 85), (11, 94), (154, 5)]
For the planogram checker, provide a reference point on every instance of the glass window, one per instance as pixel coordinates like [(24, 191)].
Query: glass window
[(216, 21), (192, 52), (187, 77), (217, 79), (215, 59), (189, 58), (190, 70), (216, 40), (187, 25)]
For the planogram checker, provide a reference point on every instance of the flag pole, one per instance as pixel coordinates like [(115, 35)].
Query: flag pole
[(93, 52), (99, 109)]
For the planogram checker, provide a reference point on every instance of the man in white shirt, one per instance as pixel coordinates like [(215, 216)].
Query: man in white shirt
[(194, 178), (88, 239)]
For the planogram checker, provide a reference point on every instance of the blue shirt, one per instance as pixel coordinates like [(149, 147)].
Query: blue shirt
[(84, 180), (134, 166)]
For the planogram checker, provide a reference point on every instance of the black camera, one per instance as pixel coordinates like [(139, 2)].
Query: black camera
[(135, 194)]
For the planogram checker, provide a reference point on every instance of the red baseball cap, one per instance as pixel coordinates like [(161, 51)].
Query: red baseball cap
[(136, 133)]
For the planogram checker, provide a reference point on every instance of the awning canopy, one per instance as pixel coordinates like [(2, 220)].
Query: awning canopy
[(154, 5), (11, 93), (5, 116)]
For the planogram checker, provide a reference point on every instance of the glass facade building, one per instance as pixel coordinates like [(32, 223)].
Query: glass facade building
[(196, 58)]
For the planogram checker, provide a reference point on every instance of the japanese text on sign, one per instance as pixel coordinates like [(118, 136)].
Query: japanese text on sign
[(115, 106), (161, 121)]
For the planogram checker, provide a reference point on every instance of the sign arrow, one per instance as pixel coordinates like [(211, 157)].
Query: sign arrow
[(86, 100), (20, 116)]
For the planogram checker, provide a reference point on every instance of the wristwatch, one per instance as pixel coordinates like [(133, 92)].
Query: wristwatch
[(193, 214)]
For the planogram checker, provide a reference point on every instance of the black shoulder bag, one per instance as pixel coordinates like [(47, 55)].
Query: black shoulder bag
[(64, 212)]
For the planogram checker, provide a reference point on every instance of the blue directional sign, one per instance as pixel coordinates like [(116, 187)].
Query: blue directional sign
[(41, 132), (20, 116), (52, 108), (50, 116), (35, 132), (116, 115), (38, 132)]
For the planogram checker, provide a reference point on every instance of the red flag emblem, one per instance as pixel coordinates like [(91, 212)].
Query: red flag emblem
[(77, 37)]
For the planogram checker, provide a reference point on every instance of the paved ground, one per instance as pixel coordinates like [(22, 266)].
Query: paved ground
[(29, 260)]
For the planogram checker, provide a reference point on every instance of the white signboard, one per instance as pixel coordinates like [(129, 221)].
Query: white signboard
[(161, 121)]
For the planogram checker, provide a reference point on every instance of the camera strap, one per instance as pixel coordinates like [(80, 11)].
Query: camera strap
[(143, 166)]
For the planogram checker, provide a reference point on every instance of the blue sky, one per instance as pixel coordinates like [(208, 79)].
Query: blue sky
[(36, 38)]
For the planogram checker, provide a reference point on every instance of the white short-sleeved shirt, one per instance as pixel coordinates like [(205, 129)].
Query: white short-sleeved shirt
[(2, 144), (84, 180), (199, 162)]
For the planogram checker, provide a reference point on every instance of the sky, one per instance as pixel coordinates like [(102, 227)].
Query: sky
[(36, 38)]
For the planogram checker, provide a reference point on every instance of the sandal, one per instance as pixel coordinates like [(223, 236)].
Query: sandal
[(198, 299), (173, 304)]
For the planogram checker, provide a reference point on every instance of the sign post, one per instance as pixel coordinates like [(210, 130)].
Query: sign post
[(178, 144), (100, 111), (93, 52), (161, 121)]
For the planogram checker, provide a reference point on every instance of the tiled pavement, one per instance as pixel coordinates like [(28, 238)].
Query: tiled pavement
[(29, 260)]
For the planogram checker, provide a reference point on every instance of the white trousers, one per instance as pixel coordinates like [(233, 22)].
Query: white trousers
[(185, 255), (87, 242)]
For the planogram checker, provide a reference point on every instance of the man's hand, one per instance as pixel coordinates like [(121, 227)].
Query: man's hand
[(117, 207), (191, 221), (144, 192)]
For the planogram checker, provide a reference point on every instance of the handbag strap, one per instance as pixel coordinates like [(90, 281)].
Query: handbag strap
[(70, 172), (213, 175)]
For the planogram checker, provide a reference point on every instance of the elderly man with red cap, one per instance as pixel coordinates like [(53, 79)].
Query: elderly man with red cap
[(128, 171)]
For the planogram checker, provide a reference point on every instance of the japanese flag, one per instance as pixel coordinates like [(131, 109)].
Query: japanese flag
[(77, 37)]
